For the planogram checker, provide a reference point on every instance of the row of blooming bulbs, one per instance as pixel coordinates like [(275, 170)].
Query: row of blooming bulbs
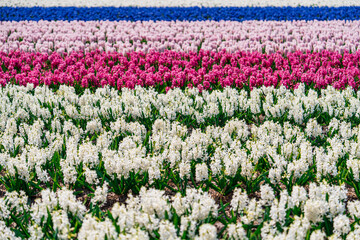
[(142, 135), (170, 69), (150, 214), (179, 13), (189, 107), (322, 210), (124, 36), (180, 3), (109, 143)]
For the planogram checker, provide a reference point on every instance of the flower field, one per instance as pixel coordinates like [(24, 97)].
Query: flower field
[(179, 119)]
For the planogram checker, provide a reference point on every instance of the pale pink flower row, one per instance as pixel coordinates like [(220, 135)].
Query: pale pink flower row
[(124, 36)]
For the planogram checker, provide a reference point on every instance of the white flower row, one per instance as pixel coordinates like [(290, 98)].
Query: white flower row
[(180, 3), (291, 148), (139, 217), (152, 210), (270, 140), (142, 132), (141, 103)]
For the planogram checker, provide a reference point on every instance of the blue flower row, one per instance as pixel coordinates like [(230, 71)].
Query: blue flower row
[(179, 13)]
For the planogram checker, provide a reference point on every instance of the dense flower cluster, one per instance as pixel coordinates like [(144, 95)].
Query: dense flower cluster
[(154, 215), (179, 3), (170, 69), (179, 13), (123, 36), (294, 148)]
